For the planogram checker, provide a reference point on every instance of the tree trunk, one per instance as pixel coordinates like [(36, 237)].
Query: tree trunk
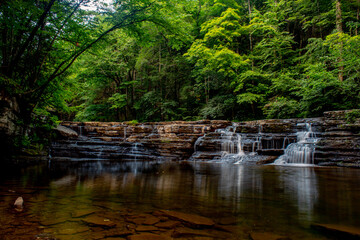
[(159, 58), (339, 28), (339, 17), (357, 17), (318, 8), (250, 36)]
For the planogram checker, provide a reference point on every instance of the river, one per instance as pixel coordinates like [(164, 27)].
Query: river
[(242, 200)]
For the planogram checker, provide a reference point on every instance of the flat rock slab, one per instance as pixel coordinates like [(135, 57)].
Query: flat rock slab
[(167, 224), (345, 232), (117, 232), (266, 236), (151, 220), (136, 220), (54, 221), (143, 228), (148, 236), (98, 221), (81, 213), (187, 232), (191, 219), (72, 231)]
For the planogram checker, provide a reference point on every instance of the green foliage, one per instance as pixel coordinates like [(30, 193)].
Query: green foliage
[(219, 107), (133, 122), (172, 60), (148, 107), (320, 91), (118, 101), (352, 116), (281, 108)]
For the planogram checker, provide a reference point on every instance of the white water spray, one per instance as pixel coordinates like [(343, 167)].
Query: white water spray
[(301, 152)]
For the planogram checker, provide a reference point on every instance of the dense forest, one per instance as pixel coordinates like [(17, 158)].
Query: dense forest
[(146, 60)]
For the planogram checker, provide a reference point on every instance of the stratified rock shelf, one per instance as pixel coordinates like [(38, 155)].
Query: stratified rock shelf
[(338, 145)]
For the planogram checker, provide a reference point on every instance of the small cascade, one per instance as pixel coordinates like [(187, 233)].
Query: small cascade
[(301, 152), (196, 145), (135, 151), (227, 145), (243, 144), (257, 145), (231, 145), (81, 131), (125, 133)]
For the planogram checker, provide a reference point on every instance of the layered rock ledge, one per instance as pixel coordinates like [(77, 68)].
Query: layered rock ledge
[(338, 145), (114, 140)]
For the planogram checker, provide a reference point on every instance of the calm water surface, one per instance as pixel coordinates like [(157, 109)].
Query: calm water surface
[(245, 199)]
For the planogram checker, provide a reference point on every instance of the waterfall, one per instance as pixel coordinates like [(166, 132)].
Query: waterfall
[(125, 133), (80, 131), (229, 146), (230, 142), (197, 143), (301, 152), (134, 150)]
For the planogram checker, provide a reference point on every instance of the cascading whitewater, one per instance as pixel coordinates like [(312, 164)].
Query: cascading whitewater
[(231, 144), (301, 152)]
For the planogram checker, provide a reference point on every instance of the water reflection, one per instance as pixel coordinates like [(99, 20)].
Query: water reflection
[(279, 199), (300, 185)]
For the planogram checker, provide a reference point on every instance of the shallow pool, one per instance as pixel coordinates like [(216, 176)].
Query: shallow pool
[(129, 200)]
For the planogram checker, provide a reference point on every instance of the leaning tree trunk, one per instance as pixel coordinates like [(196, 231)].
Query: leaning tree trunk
[(340, 30)]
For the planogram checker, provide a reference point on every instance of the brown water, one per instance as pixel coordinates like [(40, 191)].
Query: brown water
[(241, 200)]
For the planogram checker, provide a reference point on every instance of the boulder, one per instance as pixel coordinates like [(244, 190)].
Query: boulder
[(66, 132), (19, 204)]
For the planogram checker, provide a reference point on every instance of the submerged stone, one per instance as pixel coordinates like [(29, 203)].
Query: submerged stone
[(81, 213), (143, 228), (98, 221), (151, 220), (117, 232), (190, 219), (72, 230), (187, 232), (168, 224), (148, 236), (339, 231), (266, 236)]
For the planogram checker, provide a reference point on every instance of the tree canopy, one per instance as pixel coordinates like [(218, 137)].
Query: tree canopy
[(151, 60)]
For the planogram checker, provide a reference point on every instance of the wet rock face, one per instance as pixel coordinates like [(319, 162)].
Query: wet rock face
[(253, 142), (147, 141), (339, 139), (340, 142), (8, 115), (9, 129)]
